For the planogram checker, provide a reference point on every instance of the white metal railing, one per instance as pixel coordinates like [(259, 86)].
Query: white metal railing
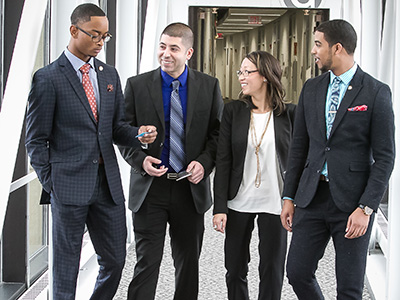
[(22, 181)]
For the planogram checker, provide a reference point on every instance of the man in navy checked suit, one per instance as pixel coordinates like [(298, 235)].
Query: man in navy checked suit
[(72, 152)]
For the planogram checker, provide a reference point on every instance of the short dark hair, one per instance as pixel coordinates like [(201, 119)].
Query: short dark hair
[(180, 30), (339, 31), (270, 68), (82, 13)]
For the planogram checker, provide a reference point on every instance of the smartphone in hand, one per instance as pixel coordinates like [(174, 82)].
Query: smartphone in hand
[(182, 175)]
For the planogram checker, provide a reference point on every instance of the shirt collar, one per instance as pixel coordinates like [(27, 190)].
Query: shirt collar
[(168, 79), (347, 76), (76, 62)]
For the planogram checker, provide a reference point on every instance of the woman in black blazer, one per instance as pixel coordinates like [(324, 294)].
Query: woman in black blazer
[(253, 145)]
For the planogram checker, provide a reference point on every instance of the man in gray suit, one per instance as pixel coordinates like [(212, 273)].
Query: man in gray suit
[(185, 106), (340, 161), (76, 113)]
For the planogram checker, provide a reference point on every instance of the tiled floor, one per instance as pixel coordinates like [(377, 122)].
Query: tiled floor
[(212, 272)]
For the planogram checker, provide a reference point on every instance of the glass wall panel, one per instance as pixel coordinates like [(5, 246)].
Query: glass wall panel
[(36, 219), (38, 214), (37, 231), (1, 55), (1, 101), (24, 241)]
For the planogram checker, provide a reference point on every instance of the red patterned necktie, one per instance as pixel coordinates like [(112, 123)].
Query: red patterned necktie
[(88, 87)]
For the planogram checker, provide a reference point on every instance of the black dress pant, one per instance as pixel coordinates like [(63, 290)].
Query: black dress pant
[(272, 251), (169, 202), (313, 226)]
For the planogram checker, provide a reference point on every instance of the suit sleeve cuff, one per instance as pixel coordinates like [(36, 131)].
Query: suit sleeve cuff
[(287, 198)]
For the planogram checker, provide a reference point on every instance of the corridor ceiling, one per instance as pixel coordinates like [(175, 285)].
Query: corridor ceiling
[(237, 20)]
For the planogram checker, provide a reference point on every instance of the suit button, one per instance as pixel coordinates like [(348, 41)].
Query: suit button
[(162, 144), (327, 149), (99, 133), (95, 161)]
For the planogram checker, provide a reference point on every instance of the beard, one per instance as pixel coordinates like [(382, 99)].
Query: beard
[(325, 67)]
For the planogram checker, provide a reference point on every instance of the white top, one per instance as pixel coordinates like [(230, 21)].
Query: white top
[(267, 197)]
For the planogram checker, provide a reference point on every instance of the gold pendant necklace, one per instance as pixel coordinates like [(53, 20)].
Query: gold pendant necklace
[(257, 145)]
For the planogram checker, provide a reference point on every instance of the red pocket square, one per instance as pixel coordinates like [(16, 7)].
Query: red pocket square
[(358, 108)]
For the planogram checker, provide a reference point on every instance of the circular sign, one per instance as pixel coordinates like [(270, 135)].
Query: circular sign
[(303, 3)]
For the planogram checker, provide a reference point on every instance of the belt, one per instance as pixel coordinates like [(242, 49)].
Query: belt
[(172, 176), (323, 178), (101, 160)]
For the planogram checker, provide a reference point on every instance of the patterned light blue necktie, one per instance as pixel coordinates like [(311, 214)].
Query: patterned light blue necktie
[(333, 105), (177, 155)]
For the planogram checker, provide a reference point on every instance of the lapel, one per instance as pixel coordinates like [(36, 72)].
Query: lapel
[(280, 127), (69, 72), (282, 134), (155, 89), (194, 86), (240, 130), (102, 82), (348, 98), (320, 102)]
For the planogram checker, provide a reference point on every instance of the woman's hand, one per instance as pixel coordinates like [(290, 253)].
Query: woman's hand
[(219, 222)]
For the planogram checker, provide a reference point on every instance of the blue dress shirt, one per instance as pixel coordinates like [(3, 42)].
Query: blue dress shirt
[(344, 84), (77, 63), (166, 92)]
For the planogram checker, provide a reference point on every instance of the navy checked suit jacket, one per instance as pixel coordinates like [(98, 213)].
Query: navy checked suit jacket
[(360, 150), (63, 139), (144, 105)]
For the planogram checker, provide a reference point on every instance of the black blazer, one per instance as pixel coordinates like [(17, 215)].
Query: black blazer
[(360, 151), (232, 145), (144, 106)]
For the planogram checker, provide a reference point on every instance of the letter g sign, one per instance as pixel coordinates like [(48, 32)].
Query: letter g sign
[(303, 3)]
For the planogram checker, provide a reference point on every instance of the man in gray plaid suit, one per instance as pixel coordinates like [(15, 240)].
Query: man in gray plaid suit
[(70, 143)]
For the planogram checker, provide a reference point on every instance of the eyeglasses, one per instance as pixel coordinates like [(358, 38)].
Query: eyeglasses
[(245, 73), (97, 38)]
